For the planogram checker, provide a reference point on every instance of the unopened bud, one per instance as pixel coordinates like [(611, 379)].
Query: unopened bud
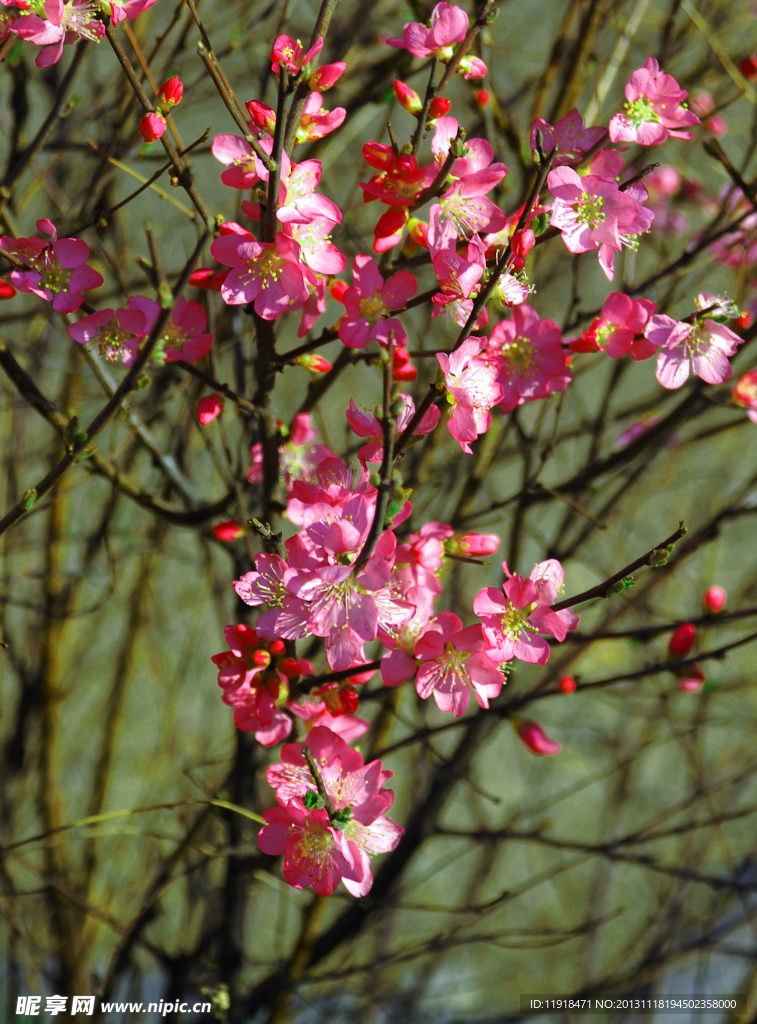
[(152, 126), (170, 94), (477, 544), (407, 98), (438, 107), (313, 363), (230, 530), (534, 737), (714, 599), (209, 408), (567, 684), (682, 640)]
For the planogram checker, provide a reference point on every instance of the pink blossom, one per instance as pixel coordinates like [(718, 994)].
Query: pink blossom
[(592, 213), (569, 135), (453, 661), (400, 181), (702, 347), (244, 169), (63, 23), (530, 359), (448, 25), (57, 270), (116, 333), (619, 329), (654, 109), (327, 76), (317, 713), (316, 122), (369, 302), (513, 617), (184, 336), (289, 52), (458, 281), (268, 274), (368, 425), (472, 389), (153, 127), (340, 842)]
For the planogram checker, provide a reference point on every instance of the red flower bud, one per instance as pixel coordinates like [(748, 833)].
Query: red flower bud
[(208, 408), (170, 94), (337, 290), (152, 127), (745, 390), (232, 529), (204, 278), (567, 684), (748, 67), (482, 98), (743, 321), (277, 647), (714, 599), (262, 116), (349, 699), (477, 544), (388, 230), (313, 363), (262, 659), (682, 640), (437, 108), (536, 739), (7, 291), (402, 367), (290, 667), (408, 98)]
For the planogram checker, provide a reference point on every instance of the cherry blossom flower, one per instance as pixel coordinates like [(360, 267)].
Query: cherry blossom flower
[(321, 845), (570, 138), (654, 110), (243, 168), (400, 180), (253, 676), (619, 329), (368, 425), (702, 347), (268, 274), (57, 270), (458, 281), (289, 52), (62, 24), (453, 662), (529, 356), (116, 333), (448, 25), (369, 302), (513, 617), (327, 76), (592, 213), (472, 389), (184, 336)]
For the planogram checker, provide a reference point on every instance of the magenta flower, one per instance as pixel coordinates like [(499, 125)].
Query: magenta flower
[(570, 135), (472, 389), (117, 333), (654, 109), (530, 358), (243, 168), (298, 456), (320, 850), (619, 329), (454, 662), (592, 213), (702, 347), (184, 336), (62, 23), (448, 25), (268, 274), (513, 617), (370, 301), (458, 283), (367, 424), (57, 270), (289, 52)]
